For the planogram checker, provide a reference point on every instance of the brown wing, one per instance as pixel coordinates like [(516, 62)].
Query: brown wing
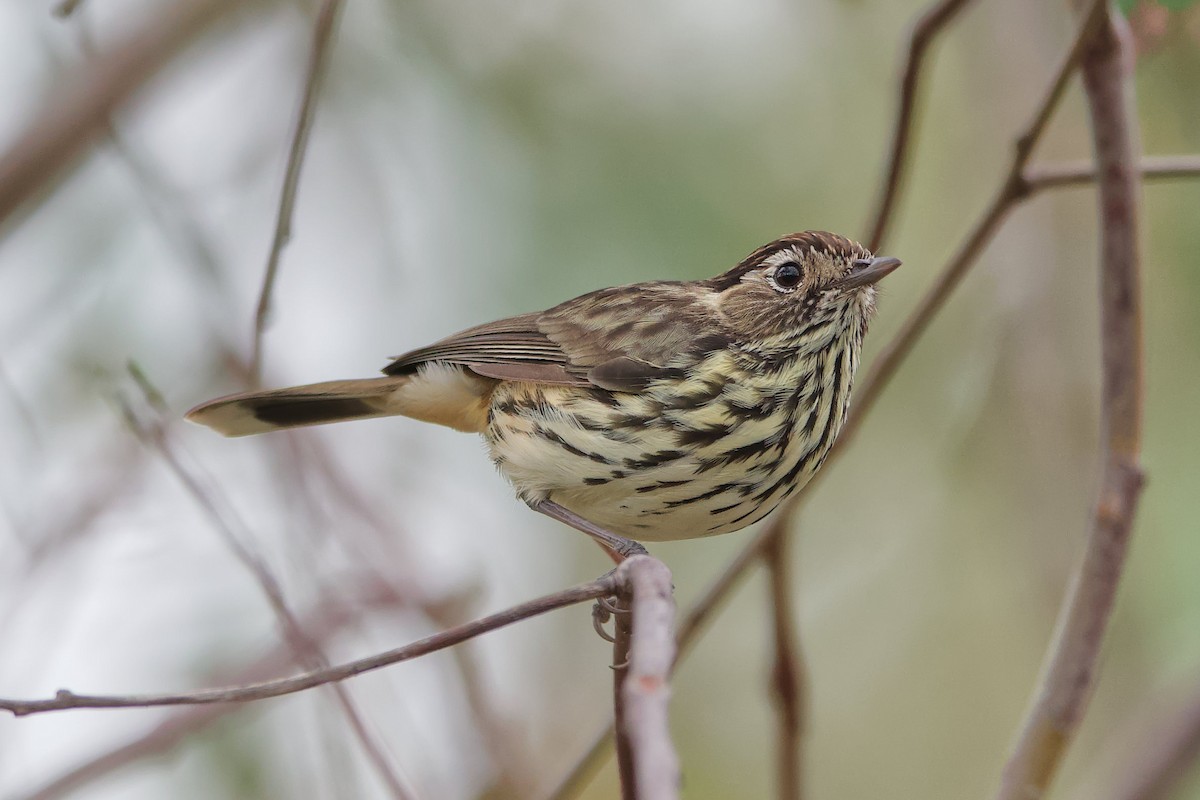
[(511, 349), (618, 339)]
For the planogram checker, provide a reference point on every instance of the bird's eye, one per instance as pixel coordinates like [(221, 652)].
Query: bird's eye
[(786, 276)]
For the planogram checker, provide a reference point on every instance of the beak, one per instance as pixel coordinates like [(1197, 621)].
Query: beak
[(866, 271)]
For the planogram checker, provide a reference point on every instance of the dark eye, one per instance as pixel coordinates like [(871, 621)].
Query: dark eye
[(787, 276)]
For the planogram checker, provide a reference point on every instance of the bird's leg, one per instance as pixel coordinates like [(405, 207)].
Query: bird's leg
[(618, 546)]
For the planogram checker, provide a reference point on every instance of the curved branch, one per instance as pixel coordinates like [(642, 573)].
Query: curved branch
[(1069, 675)]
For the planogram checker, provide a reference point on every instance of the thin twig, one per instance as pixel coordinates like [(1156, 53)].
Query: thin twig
[(1083, 173), (153, 433), (1069, 675), (788, 677), (66, 699), (323, 622), (1012, 191), (645, 645), (318, 62), (65, 8), (924, 30), (91, 92)]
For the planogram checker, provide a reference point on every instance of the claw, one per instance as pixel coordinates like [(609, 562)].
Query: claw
[(612, 608), (602, 613)]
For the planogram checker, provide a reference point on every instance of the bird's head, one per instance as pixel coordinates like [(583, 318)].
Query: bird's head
[(802, 291)]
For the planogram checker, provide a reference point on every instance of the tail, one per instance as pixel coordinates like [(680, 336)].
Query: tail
[(316, 404), (440, 393)]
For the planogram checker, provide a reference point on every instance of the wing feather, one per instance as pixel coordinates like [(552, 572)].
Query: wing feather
[(618, 339)]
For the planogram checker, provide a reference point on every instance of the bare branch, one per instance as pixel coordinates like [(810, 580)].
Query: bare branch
[(1067, 680), (318, 62), (65, 8), (691, 627), (1012, 191), (153, 433), (66, 699), (1083, 173), (323, 622), (788, 677), (645, 653), (932, 22), (79, 112), (1093, 18)]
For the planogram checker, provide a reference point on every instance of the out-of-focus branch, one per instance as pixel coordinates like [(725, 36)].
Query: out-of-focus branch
[(78, 113), (788, 677), (645, 653), (1083, 173), (66, 699), (326, 620), (1151, 765), (1067, 680), (1010, 194), (152, 431), (65, 8), (318, 62), (932, 22)]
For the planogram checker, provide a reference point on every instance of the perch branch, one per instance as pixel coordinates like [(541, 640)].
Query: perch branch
[(693, 623), (1069, 675), (645, 653), (324, 621), (66, 699)]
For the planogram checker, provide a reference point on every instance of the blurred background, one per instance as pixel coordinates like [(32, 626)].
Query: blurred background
[(475, 160)]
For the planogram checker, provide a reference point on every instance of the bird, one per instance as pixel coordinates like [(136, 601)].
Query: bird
[(651, 411)]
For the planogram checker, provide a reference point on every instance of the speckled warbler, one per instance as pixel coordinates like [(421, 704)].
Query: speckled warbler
[(662, 410)]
